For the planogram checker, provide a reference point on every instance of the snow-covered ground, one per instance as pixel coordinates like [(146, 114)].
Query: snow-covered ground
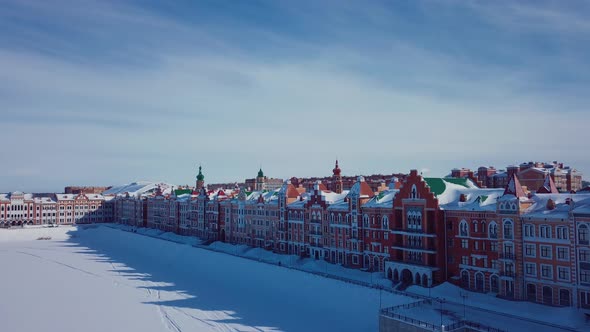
[(569, 317), (95, 278)]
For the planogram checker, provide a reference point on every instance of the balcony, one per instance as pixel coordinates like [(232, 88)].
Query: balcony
[(507, 256), (315, 221), (508, 274), (315, 233), (408, 230)]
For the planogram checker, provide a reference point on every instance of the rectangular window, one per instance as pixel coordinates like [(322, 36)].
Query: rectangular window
[(530, 269), (584, 276), (546, 252), (563, 273), (530, 250), (546, 271), (464, 243), (464, 260), (545, 231), (493, 246), (562, 253), (562, 233)]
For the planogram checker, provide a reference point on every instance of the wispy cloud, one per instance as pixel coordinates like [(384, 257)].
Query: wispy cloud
[(124, 92)]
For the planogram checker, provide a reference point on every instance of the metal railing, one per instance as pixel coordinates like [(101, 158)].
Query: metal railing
[(390, 313)]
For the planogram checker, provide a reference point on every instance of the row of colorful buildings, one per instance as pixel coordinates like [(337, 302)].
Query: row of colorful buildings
[(18, 208), (519, 244)]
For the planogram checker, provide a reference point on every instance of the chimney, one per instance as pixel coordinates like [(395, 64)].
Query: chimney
[(462, 198)]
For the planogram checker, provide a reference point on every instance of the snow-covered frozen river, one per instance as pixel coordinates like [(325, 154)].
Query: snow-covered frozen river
[(103, 279)]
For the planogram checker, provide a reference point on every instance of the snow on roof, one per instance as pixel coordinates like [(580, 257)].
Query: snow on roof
[(448, 189), (71, 197), (139, 188), (540, 209), (183, 197), (476, 199), (268, 196), (331, 197), (582, 206), (300, 203), (439, 185), (44, 200), (9, 196), (382, 200), (337, 202)]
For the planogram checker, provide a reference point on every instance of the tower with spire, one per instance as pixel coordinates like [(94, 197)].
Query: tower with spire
[(200, 179), (259, 181), (337, 179)]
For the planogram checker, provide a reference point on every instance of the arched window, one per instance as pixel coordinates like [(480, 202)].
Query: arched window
[(508, 234), (564, 298), (583, 234), (332, 217), (465, 279), (483, 226), (365, 220), (479, 282), (463, 228), (385, 222), (494, 283), (414, 192), (339, 218), (493, 232), (475, 226)]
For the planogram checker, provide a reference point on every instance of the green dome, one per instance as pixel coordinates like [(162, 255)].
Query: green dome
[(260, 174), (200, 176)]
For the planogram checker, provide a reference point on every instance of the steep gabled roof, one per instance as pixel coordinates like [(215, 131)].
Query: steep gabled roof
[(361, 188), (548, 186), (514, 187)]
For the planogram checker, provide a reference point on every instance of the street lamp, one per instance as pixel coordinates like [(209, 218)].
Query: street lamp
[(463, 295), (441, 311)]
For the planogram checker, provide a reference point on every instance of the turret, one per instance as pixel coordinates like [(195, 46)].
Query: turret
[(200, 179), (260, 181), (337, 179)]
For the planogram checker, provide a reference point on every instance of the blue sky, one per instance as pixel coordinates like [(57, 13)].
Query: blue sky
[(109, 92)]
